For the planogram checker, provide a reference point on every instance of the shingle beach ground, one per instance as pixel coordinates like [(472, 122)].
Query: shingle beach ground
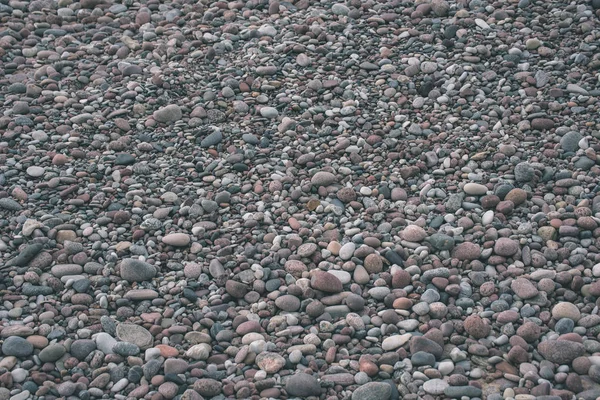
[(366, 200)]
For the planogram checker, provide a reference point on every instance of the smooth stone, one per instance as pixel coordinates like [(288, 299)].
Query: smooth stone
[(475, 189), (373, 391), (35, 171), (302, 385), (167, 114), (393, 342), (347, 251), (560, 351), (135, 334), (133, 270), (566, 310), (177, 239), (105, 342), (16, 346), (52, 353), (323, 178), (435, 387)]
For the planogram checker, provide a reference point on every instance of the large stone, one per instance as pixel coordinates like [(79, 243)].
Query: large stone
[(477, 327), (17, 346), (270, 362), (506, 247), (566, 310), (524, 288), (199, 351), (475, 189), (435, 387), (177, 239), (326, 282), (560, 351), (302, 385), (82, 348), (393, 342), (373, 391), (288, 303), (413, 233), (135, 334), (323, 178), (167, 114), (133, 270), (467, 251), (236, 289), (542, 124), (207, 387), (570, 141), (52, 353)]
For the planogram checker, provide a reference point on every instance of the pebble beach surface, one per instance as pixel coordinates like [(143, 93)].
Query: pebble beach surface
[(365, 200)]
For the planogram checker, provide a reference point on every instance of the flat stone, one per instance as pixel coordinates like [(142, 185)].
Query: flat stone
[(270, 362), (560, 351), (435, 387), (506, 247), (167, 114), (302, 385), (105, 342), (524, 288), (326, 282), (36, 172), (52, 353), (373, 391), (467, 251), (393, 342), (135, 334), (457, 392), (133, 270), (347, 251), (475, 189), (207, 387), (323, 178), (413, 233), (288, 303), (177, 239)]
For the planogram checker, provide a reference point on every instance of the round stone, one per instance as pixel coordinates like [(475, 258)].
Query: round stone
[(566, 310), (506, 247), (288, 303), (16, 346), (323, 178), (413, 233), (35, 171), (475, 326)]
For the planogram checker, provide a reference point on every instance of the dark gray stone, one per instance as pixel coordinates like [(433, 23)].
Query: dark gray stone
[(17, 346)]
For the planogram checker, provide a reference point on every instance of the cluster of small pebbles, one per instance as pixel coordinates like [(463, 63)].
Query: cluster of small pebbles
[(269, 199)]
